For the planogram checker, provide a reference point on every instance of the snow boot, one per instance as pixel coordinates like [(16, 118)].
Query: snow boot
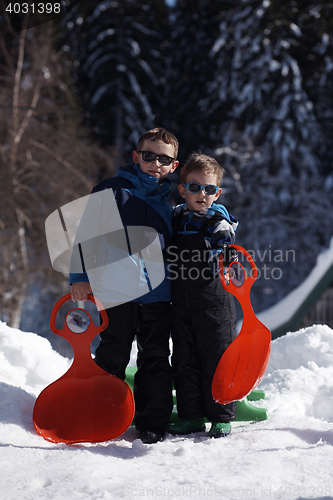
[(220, 429), (151, 437), (187, 426)]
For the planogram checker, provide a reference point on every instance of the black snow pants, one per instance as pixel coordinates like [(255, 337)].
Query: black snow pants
[(203, 326), (153, 379)]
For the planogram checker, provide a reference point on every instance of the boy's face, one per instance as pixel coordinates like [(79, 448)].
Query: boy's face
[(155, 168), (201, 200)]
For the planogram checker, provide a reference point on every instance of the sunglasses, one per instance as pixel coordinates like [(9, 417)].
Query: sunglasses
[(163, 159), (195, 188)]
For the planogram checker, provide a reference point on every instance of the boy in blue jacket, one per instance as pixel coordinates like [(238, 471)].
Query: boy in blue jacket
[(203, 313), (141, 192)]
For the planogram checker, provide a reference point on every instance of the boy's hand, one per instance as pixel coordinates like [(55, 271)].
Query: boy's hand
[(80, 291), (235, 274)]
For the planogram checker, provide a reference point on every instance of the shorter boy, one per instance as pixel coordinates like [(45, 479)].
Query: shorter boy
[(203, 313)]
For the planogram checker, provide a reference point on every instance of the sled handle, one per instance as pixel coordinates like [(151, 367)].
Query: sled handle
[(233, 286), (64, 299)]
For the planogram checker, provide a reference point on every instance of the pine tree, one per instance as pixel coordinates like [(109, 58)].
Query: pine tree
[(249, 81), (195, 25), (270, 103), (118, 47)]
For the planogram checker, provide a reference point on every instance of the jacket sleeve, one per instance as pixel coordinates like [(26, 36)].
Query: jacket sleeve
[(77, 278), (223, 234), (120, 197), (221, 239)]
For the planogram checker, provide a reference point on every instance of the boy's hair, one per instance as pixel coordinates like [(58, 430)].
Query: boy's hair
[(198, 162), (159, 134)]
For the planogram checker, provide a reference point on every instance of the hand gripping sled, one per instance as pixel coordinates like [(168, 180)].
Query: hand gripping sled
[(243, 364)]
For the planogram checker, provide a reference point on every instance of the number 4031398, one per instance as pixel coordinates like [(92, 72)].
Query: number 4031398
[(33, 8)]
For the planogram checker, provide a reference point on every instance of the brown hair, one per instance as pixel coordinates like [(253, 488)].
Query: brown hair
[(198, 162), (159, 134)]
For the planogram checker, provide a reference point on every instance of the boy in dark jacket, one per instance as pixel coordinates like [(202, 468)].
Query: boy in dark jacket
[(141, 192), (203, 313)]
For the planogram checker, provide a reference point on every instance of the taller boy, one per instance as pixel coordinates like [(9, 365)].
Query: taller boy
[(141, 192)]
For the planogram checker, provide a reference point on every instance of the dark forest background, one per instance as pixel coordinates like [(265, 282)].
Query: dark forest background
[(249, 82)]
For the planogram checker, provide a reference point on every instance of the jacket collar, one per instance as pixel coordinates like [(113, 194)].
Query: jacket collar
[(144, 181), (215, 207)]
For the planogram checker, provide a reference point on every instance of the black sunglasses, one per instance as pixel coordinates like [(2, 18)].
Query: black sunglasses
[(195, 188), (163, 159)]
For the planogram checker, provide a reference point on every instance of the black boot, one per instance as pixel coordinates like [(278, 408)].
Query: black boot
[(151, 437)]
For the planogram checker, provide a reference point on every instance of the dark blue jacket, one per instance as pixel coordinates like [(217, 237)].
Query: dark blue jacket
[(142, 200), (198, 240)]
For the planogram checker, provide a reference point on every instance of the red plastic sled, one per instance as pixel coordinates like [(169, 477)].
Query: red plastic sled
[(86, 403), (243, 364)]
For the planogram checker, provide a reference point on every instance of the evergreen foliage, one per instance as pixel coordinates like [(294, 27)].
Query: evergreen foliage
[(274, 71), (195, 25), (118, 48), (248, 81)]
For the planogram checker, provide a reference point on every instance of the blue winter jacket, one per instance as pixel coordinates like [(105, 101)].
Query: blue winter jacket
[(142, 200)]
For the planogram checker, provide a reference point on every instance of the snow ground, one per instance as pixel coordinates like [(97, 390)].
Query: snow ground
[(288, 456)]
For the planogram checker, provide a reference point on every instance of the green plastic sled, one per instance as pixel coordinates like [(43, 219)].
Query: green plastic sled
[(245, 411)]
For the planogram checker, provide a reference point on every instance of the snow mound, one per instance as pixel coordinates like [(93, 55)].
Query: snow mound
[(308, 345), (289, 455), (28, 361), (300, 373)]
